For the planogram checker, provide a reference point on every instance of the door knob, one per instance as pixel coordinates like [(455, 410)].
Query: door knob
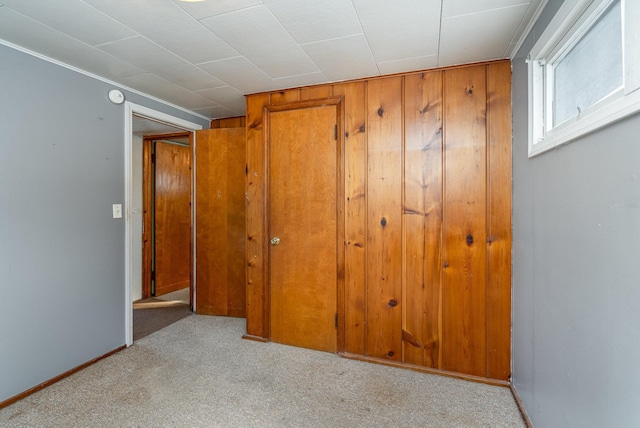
[(274, 241)]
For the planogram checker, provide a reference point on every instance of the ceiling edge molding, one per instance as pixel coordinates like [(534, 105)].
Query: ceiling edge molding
[(528, 28), (100, 78)]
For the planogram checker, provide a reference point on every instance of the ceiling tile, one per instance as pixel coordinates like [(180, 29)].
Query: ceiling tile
[(192, 42), (467, 38), (22, 31), (76, 18), (400, 29), (464, 7), (301, 80), (226, 96), (157, 60), (163, 89), (260, 38), (408, 64), (524, 23), (344, 58), (241, 74), (144, 126), (169, 26), (218, 112), (206, 9), (314, 21)]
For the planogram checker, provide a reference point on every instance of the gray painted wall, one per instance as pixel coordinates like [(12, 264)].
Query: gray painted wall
[(576, 270), (61, 252)]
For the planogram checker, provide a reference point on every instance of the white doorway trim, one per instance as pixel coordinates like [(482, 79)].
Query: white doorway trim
[(129, 110)]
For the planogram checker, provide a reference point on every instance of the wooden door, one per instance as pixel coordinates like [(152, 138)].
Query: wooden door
[(220, 221), (302, 216), (172, 217)]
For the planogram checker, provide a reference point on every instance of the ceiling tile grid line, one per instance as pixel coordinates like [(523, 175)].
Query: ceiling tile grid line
[(166, 24), (258, 35), (206, 56)]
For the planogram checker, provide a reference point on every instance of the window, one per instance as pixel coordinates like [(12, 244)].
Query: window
[(584, 71)]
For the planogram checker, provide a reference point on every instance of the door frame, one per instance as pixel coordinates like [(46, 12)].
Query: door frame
[(338, 102), (129, 110)]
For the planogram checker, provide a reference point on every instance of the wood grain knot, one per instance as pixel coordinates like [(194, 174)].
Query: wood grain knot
[(346, 134), (383, 222), (469, 90), (445, 265), (469, 239), (362, 128), (407, 337), (254, 125), (393, 303), (380, 112), (390, 354)]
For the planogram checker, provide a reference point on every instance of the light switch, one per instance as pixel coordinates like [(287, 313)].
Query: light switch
[(117, 210)]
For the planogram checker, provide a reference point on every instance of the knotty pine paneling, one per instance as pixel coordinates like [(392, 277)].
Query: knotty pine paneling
[(257, 293), (384, 218), (464, 221), (427, 218), (353, 320), (499, 220), (422, 215)]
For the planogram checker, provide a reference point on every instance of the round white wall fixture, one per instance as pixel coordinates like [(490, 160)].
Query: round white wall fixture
[(116, 97)]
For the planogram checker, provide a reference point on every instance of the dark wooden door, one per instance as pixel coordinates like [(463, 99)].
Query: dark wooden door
[(302, 225), (172, 217), (220, 221)]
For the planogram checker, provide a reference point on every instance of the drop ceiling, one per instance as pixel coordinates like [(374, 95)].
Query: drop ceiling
[(205, 56)]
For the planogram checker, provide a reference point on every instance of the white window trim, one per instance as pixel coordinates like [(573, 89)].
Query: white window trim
[(571, 21)]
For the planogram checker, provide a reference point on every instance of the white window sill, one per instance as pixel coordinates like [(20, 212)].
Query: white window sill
[(580, 126)]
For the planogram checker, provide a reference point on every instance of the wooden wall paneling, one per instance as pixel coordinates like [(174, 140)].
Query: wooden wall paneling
[(352, 312), (316, 92), (212, 195), (229, 122), (284, 97), (464, 308), (499, 221), (423, 218), (462, 238), (384, 218), (257, 297), (236, 220)]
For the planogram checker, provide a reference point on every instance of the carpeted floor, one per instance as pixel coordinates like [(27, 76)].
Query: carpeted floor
[(198, 372)]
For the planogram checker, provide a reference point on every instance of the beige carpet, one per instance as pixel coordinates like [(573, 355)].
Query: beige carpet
[(198, 372)]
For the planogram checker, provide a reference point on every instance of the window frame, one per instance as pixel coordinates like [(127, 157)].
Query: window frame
[(572, 21)]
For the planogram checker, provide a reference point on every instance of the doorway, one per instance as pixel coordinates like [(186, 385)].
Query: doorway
[(162, 123), (304, 155)]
